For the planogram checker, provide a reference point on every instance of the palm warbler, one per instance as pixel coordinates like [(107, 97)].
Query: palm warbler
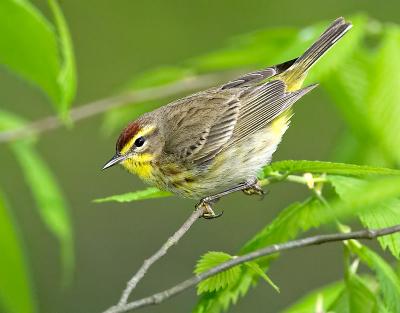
[(215, 142)]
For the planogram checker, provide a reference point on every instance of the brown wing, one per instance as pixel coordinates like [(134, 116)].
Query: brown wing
[(261, 105), (202, 125)]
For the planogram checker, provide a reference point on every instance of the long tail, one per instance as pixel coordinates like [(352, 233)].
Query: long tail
[(296, 73)]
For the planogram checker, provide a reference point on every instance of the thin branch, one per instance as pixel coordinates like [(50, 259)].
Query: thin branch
[(173, 240), (294, 244), (103, 105)]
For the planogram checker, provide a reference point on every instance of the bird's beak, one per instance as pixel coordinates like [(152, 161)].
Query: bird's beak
[(114, 160)]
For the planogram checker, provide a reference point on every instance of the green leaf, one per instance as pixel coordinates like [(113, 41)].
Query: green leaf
[(49, 199), (348, 87), (149, 193), (220, 280), (67, 74), (325, 295), (341, 303), (389, 282), (16, 294), (361, 297), (259, 271), (29, 47), (52, 206), (213, 302), (385, 213), (383, 105), (367, 198), (291, 167)]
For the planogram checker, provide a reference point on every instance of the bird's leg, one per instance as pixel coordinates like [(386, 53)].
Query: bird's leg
[(206, 202)]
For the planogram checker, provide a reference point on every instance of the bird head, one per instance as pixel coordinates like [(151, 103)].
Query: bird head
[(138, 144)]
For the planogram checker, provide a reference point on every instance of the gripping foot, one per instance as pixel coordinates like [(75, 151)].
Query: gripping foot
[(207, 209)]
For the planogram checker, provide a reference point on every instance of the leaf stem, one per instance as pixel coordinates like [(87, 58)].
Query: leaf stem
[(275, 177)]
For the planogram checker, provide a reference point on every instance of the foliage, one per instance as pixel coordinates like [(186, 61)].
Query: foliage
[(300, 217), (389, 282), (66, 78), (16, 294), (149, 193), (360, 86), (293, 167), (360, 297), (28, 39), (49, 199), (257, 270), (387, 213), (287, 225), (221, 280), (321, 298), (226, 278)]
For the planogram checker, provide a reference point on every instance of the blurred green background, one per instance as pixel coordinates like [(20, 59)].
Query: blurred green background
[(113, 42)]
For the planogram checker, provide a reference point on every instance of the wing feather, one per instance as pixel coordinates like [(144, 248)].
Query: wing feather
[(219, 134), (205, 125), (263, 105), (250, 78)]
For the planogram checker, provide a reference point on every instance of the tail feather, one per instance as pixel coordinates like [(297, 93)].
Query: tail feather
[(327, 39)]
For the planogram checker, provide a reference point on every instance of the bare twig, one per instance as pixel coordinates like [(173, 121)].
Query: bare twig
[(315, 240), (156, 256), (100, 106)]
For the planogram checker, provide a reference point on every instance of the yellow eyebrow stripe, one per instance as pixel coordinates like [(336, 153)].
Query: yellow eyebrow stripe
[(141, 133)]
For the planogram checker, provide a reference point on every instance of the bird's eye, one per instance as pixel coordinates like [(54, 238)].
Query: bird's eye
[(139, 142)]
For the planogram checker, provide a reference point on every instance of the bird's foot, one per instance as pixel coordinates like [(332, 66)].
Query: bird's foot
[(207, 209), (254, 189)]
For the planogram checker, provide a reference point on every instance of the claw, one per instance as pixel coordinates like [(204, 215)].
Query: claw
[(254, 189), (208, 211), (210, 217)]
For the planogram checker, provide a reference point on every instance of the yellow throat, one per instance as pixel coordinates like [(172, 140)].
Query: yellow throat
[(140, 164)]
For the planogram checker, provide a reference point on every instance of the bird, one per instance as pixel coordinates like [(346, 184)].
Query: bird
[(215, 142)]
